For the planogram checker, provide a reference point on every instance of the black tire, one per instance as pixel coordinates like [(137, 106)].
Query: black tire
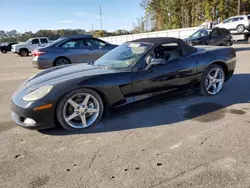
[(4, 51), (63, 101), (203, 89), (24, 53), (240, 28), (61, 61)]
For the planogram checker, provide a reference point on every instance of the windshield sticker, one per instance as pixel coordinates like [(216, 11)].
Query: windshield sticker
[(134, 45)]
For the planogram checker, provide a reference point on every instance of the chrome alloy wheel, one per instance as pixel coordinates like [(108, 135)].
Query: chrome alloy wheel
[(81, 110), (214, 81)]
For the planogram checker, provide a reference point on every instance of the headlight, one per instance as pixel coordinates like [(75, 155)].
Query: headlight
[(38, 94)]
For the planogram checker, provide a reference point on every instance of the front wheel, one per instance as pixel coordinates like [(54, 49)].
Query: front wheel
[(79, 109), (212, 80), (4, 51), (24, 53), (229, 43)]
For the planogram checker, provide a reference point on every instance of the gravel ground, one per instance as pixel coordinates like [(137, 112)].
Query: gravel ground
[(192, 141)]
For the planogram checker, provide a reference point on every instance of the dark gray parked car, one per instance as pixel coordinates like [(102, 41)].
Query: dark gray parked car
[(72, 49)]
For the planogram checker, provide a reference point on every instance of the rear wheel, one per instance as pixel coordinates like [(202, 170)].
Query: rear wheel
[(4, 51), (61, 61), (24, 53), (80, 109), (240, 28), (212, 80)]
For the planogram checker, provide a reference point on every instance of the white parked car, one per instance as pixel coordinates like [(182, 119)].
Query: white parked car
[(23, 49), (239, 23)]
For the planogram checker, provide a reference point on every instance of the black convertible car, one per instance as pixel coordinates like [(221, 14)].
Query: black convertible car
[(77, 96)]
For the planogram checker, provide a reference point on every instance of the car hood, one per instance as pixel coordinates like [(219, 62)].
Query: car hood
[(64, 73), (20, 44)]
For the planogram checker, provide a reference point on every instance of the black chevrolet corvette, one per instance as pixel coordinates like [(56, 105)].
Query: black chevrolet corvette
[(77, 96)]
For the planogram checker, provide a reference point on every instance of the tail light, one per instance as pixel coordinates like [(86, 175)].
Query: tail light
[(37, 53)]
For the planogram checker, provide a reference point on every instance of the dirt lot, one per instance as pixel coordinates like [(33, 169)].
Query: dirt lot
[(187, 142)]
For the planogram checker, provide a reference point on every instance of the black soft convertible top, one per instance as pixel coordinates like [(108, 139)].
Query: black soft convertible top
[(186, 49)]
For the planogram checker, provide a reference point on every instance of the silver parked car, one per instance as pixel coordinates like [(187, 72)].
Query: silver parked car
[(71, 49)]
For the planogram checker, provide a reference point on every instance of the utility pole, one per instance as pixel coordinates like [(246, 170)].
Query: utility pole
[(92, 29), (101, 16), (238, 7)]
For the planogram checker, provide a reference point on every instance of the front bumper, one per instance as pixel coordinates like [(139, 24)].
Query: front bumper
[(23, 122), (14, 51), (28, 118)]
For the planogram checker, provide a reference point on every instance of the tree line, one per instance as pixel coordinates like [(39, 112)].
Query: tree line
[(173, 14), (15, 36)]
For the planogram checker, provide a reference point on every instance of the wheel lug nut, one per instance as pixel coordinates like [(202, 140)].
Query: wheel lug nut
[(82, 114), (83, 106), (78, 107), (77, 112)]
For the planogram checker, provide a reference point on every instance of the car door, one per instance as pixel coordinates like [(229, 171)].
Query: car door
[(215, 38), (223, 36), (98, 48), (76, 50), (176, 75), (35, 43), (44, 42), (227, 24), (235, 23)]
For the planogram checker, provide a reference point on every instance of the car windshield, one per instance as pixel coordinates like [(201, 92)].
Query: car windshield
[(199, 33), (123, 56)]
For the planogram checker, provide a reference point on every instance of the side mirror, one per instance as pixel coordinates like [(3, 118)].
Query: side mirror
[(155, 62)]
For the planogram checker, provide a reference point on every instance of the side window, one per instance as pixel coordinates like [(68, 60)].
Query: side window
[(236, 19), (241, 18), (227, 21), (35, 41), (168, 51), (44, 40), (226, 32), (248, 17), (95, 43), (215, 33), (73, 43), (222, 32)]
